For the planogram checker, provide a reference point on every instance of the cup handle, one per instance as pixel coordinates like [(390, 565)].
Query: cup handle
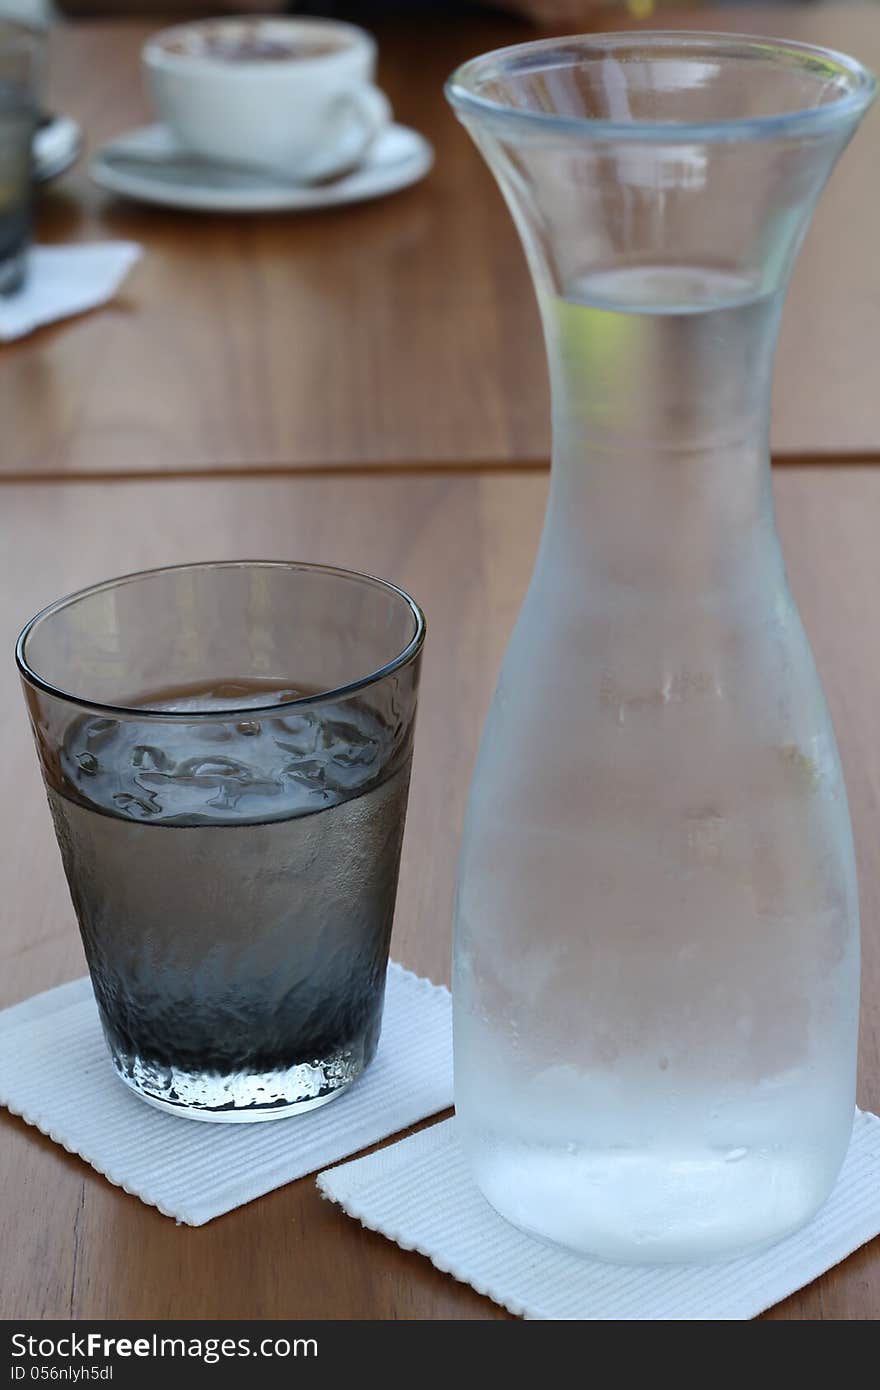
[(374, 109), (357, 116)]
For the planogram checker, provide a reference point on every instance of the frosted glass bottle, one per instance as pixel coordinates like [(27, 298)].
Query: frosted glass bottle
[(656, 957)]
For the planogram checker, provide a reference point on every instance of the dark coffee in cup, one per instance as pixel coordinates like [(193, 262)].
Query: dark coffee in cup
[(253, 44)]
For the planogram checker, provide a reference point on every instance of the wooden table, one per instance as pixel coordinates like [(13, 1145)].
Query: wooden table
[(464, 546), (384, 363), (410, 318)]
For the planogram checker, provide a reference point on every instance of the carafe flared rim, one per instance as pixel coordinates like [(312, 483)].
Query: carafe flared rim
[(857, 87)]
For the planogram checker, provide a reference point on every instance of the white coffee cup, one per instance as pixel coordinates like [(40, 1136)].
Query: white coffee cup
[(292, 95)]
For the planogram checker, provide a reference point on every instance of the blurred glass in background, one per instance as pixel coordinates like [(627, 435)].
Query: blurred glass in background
[(20, 65)]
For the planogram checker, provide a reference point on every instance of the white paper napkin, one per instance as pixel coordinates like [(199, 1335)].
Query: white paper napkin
[(419, 1193), (55, 1073), (65, 280)]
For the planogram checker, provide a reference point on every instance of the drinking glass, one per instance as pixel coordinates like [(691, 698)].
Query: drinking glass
[(20, 54), (226, 750)]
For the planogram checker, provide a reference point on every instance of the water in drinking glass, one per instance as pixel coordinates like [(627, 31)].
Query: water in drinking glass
[(235, 886)]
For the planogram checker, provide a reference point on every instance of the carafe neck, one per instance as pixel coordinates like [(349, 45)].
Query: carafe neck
[(661, 382)]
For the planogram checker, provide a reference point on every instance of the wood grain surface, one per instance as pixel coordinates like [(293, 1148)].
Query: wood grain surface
[(73, 1246), (398, 333)]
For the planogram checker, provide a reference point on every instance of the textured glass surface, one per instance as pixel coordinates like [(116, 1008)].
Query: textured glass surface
[(226, 750)]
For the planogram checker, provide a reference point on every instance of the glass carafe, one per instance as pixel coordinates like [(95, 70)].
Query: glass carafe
[(656, 958)]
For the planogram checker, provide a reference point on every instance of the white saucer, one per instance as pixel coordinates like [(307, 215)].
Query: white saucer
[(57, 145), (150, 165)]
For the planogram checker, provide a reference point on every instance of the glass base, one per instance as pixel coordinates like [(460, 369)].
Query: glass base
[(239, 1097), (650, 1208)]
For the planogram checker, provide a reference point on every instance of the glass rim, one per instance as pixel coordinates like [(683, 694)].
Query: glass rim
[(403, 658), (461, 91)]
